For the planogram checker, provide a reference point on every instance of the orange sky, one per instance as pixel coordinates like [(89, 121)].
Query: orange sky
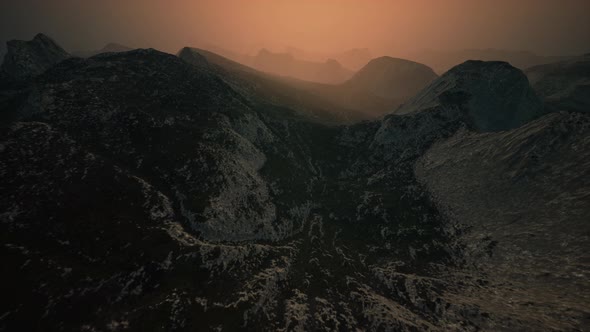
[(385, 26)]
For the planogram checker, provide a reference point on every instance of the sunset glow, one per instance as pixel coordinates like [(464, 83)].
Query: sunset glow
[(395, 26)]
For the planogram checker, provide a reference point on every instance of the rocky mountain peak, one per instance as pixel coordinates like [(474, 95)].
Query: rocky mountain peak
[(494, 95), (27, 59), (193, 57), (392, 77)]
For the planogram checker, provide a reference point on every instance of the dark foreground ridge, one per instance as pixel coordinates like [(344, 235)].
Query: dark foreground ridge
[(143, 192)]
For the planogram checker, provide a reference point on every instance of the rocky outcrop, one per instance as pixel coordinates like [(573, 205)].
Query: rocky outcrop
[(27, 59)]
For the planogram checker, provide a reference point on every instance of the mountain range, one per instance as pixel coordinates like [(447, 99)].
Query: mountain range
[(354, 58), (144, 191), (359, 98)]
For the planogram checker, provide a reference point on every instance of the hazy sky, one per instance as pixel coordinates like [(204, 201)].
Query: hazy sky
[(386, 26)]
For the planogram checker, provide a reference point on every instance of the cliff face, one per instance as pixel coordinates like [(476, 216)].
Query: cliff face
[(141, 190)]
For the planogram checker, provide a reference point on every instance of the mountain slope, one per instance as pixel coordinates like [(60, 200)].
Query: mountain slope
[(522, 198)]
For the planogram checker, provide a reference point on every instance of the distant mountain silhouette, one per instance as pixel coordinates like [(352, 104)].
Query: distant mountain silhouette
[(442, 61), (378, 88), (563, 85), (108, 48), (26, 59), (366, 97), (287, 65), (271, 89), (355, 58), (297, 63), (242, 58), (392, 78), (302, 54)]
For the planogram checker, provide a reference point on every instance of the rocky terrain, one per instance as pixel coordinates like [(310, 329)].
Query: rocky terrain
[(142, 191), (528, 200)]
